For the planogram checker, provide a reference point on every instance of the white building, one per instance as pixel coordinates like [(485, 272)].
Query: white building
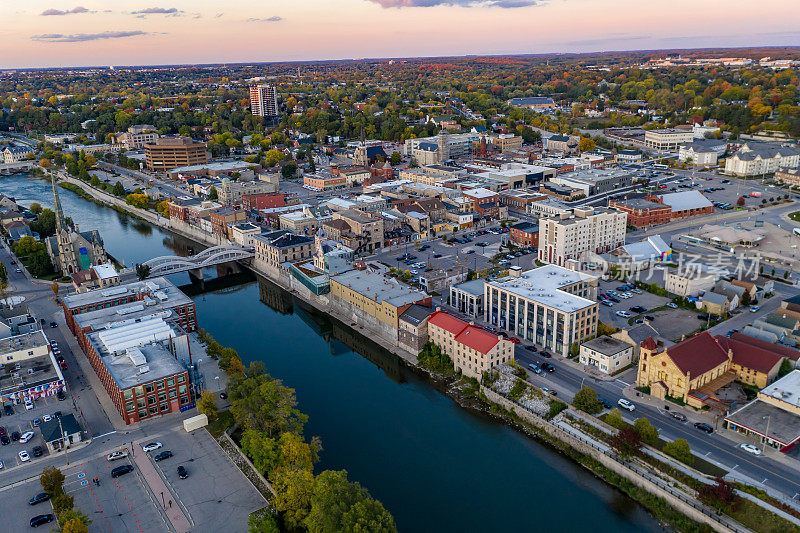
[(579, 233), (15, 154), (264, 100), (550, 305), (607, 354), (702, 153), (667, 139), (753, 159)]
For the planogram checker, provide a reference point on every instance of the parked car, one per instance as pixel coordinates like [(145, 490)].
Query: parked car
[(53, 325), (606, 303), (672, 305), (15, 436), (47, 418), (37, 451), (23, 456), (754, 309), (39, 498), (36, 422), (626, 404), (41, 520), (25, 437), (61, 395), (545, 353), (624, 314), (702, 426), (535, 368), (749, 448), (150, 446), (182, 473), (113, 456), (4, 440), (638, 309), (605, 403), (121, 470), (548, 367), (531, 348), (649, 317), (28, 404), (514, 340), (166, 454), (678, 416)]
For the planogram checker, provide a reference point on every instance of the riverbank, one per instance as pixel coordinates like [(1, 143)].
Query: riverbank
[(323, 305)]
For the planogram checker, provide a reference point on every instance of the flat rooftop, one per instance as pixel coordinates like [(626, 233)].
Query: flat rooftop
[(784, 426), (607, 345), (786, 389), (157, 288), (379, 288), (23, 341), (138, 359), (543, 285), (32, 372), (473, 287)]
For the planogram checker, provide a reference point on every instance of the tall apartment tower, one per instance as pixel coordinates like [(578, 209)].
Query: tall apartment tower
[(264, 100)]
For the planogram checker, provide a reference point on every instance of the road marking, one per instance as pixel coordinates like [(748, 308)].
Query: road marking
[(764, 482), (106, 434)]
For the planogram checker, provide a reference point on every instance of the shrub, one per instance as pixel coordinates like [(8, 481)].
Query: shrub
[(647, 431), (627, 442), (614, 418), (679, 449)]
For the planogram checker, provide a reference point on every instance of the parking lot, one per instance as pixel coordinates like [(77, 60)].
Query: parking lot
[(22, 421)]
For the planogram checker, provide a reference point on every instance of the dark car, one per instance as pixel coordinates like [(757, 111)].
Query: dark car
[(61, 395), (605, 403), (121, 470), (532, 348), (638, 309), (548, 367), (614, 299), (39, 498), (4, 440), (53, 325), (15, 435), (678, 416), (8, 410), (166, 454), (37, 451), (702, 426), (41, 519), (703, 316), (182, 473), (2, 430), (649, 317), (545, 353)]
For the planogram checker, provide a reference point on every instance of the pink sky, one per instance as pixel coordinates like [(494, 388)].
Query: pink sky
[(41, 33)]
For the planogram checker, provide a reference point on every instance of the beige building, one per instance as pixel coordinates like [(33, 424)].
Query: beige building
[(607, 354), (298, 222), (507, 142), (264, 100), (688, 283), (367, 229), (230, 192), (472, 349), (278, 247), (550, 305), (137, 136), (170, 152), (580, 233), (669, 139)]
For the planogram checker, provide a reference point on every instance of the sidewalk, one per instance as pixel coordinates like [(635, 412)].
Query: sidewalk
[(157, 485)]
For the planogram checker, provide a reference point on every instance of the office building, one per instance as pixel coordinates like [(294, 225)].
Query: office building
[(669, 139), (550, 305), (29, 368), (169, 152), (607, 354), (264, 100), (580, 233)]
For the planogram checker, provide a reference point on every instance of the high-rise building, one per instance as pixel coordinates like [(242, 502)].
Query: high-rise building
[(264, 100), (170, 152), (580, 233)]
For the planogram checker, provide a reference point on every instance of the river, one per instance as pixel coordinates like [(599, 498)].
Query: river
[(434, 465)]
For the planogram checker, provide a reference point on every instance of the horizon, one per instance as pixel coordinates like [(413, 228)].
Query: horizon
[(84, 34)]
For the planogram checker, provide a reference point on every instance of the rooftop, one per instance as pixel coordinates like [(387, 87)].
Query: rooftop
[(32, 372), (379, 288), (543, 285), (698, 354), (465, 333), (416, 314), (786, 389), (159, 289), (22, 342), (607, 345), (682, 201), (783, 424), (473, 287)]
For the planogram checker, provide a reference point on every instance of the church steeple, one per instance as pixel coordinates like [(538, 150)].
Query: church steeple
[(60, 223)]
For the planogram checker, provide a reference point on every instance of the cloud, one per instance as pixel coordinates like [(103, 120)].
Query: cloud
[(84, 37), (58, 12), (274, 18), (506, 4), (170, 11)]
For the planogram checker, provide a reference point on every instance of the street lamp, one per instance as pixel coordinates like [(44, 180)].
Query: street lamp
[(766, 435)]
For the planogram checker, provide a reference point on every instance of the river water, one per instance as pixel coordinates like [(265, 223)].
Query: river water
[(434, 465)]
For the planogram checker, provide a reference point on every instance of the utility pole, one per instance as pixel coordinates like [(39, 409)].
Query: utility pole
[(63, 439), (766, 435)]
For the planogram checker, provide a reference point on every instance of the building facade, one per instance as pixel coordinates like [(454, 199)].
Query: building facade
[(578, 234), (170, 152), (264, 100)]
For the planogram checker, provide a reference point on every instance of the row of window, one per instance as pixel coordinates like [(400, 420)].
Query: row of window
[(147, 388)]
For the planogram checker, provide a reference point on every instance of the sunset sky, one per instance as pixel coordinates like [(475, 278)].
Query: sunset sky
[(42, 33)]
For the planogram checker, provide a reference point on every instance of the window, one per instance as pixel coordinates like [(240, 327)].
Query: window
[(160, 384), (139, 390), (162, 396), (149, 387), (143, 414), (154, 410), (181, 378), (140, 402), (129, 407), (182, 389), (164, 407), (170, 382)]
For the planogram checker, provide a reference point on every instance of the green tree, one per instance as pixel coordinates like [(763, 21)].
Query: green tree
[(208, 405), (293, 499), (395, 158), (574, 349), (142, 201), (786, 367), (648, 432), (39, 264), (265, 404), (142, 271), (586, 400), (28, 246), (262, 450), (679, 449), (62, 502), (289, 169), (52, 481), (45, 223), (311, 166), (36, 208), (3, 277), (266, 523), (341, 505), (212, 193), (119, 190), (75, 525), (368, 515), (614, 418), (163, 208)]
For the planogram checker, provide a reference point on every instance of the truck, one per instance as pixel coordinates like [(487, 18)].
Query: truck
[(195, 422), (755, 194)]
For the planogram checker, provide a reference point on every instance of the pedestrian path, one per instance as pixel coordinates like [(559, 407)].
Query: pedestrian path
[(157, 485)]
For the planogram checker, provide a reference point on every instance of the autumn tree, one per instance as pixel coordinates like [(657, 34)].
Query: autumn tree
[(208, 405), (586, 400), (586, 144), (52, 481), (648, 432), (627, 442), (721, 495)]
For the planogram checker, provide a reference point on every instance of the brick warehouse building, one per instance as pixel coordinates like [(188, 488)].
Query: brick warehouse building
[(643, 213), (134, 336), (524, 234)]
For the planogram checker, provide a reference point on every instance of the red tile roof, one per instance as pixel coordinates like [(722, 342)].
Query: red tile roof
[(697, 355), (474, 337), (649, 344), (750, 356), (785, 351)]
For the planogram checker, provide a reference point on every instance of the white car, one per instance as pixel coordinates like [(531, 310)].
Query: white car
[(672, 305), (28, 435), (24, 457), (625, 404), (47, 418), (113, 456), (754, 309), (750, 449), (149, 447), (28, 404), (624, 314)]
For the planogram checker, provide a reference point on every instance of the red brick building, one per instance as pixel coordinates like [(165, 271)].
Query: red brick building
[(643, 213), (178, 207), (264, 200), (524, 234), (224, 216)]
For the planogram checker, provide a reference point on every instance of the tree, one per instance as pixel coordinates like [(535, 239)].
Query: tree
[(118, 190), (368, 515), (212, 193), (786, 367), (721, 495), (28, 246), (36, 208), (265, 404), (627, 442), (207, 405), (679, 449), (648, 432), (52, 481), (55, 288), (289, 169), (62, 502), (293, 499), (586, 144), (39, 264), (395, 158), (574, 349), (142, 271), (78, 522), (3, 277), (75, 525), (262, 450), (311, 166), (267, 523), (163, 208), (142, 201), (614, 418), (586, 400), (45, 223), (741, 201), (296, 454)]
